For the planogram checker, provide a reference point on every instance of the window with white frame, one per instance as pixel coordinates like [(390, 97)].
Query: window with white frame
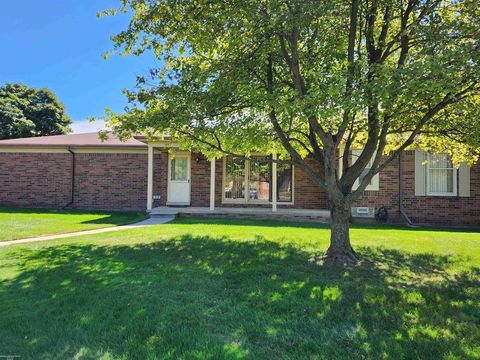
[(250, 181), (259, 178), (234, 178), (284, 182), (441, 175), (374, 184)]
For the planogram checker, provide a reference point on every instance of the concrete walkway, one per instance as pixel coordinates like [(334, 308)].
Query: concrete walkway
[(146, 222)]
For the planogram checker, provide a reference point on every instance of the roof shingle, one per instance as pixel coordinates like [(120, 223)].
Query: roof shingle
[(76, 140)]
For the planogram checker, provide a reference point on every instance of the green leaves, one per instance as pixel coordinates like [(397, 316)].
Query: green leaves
[(26, 112), (214, 85)]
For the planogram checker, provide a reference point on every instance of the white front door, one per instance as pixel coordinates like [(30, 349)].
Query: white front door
[(178, 192)]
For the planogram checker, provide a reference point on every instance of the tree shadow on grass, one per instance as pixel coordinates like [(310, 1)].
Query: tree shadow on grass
[(203, 297), (316, 224), (118, 218)]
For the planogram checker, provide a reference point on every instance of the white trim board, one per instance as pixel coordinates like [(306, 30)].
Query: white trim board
[(78, 150)]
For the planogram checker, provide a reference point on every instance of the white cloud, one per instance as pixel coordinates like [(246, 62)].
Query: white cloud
[(85, 126)]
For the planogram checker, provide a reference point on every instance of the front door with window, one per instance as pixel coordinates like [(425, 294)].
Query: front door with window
[(178, 192)]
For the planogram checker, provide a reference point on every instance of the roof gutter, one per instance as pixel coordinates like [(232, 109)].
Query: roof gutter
[(72, 194)]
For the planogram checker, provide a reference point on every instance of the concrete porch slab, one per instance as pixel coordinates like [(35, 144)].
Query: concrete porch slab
[(238, 212)]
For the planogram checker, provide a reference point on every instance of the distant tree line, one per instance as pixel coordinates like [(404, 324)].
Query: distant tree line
[(28, 112)]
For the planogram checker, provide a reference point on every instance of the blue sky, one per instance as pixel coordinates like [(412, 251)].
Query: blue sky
[(59, 44)]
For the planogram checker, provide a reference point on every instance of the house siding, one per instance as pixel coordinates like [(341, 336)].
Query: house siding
[(111, 181), (119, 182), (443, 210), (440, 210), (387, 194), (200, 180), (35, 179), (308, 195)]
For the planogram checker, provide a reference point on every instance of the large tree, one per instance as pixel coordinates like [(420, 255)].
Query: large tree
[(307, 78), (27, 112)]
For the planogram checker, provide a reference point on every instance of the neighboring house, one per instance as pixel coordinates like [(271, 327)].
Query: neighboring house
[(81, 171)]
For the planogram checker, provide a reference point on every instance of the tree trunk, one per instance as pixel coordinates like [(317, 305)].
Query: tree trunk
[(340, 251)]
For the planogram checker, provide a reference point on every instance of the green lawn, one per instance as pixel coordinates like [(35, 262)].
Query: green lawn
[(18, 223), (210, 289)]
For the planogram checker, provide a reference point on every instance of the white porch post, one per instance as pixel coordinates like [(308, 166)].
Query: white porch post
[(150, 178), (274, 182), (212, 184)]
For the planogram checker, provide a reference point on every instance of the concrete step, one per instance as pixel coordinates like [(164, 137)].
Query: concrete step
[(163, 214)]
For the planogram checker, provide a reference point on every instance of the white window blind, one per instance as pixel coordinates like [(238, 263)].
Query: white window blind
[(441, 175)]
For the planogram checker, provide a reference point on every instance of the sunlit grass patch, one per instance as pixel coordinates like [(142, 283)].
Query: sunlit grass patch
[(18, 223), (199, 288)]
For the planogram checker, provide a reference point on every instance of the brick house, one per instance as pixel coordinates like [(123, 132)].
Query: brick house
[(81, 171)]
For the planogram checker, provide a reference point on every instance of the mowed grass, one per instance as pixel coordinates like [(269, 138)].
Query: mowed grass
[(18, 223), (217, 289)]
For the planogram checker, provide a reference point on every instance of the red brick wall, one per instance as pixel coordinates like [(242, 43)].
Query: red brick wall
[(111, 181), (160, 171), (387, 195), (119, 181), (200, 181), (441, 210), (308, 195), (35, 179), (102, 181)]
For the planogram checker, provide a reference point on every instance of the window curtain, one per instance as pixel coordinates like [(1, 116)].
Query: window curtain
[(441, 174)]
